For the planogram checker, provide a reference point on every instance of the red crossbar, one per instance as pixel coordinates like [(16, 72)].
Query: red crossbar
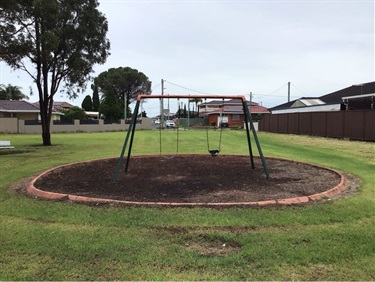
[(190, 96)]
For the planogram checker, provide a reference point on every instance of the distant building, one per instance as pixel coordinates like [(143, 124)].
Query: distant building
[(58, 106), (233, 116), (355, 97), (229, 112), (23, 110)]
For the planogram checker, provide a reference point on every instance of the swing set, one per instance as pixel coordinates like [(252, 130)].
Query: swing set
[(213, 152)]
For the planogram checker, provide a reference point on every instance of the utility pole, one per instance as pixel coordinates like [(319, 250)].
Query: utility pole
[(188, 121), (288, 91), (250, 109), (125, 108), (162, 105)]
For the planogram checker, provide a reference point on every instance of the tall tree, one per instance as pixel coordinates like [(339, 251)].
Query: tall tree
[(87, 103), (11, 92), (95, 98), (124, 83), (110, 107), (56, 42), (196, 101)]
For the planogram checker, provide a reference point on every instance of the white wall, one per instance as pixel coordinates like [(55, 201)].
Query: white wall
[(14, 125)]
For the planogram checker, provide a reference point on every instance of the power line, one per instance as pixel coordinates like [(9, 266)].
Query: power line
[(155, 87), (270, 94), (299, 89), (186, 88)]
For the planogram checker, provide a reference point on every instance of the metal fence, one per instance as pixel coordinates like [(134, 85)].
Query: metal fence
[(355, 124)]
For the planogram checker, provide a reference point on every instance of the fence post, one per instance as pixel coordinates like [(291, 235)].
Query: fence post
[(343, 124)]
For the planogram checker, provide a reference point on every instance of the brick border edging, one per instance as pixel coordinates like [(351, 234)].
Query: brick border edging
[(328, 194)]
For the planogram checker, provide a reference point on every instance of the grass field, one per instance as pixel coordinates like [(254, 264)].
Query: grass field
[(44, 240)]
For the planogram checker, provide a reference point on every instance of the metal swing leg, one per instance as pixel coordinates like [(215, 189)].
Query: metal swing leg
[(130, 132), (248, 116)]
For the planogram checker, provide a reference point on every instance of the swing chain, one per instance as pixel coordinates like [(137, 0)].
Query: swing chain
[(215, 152)]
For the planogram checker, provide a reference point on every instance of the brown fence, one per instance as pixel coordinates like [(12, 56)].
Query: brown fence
[(356, 124)]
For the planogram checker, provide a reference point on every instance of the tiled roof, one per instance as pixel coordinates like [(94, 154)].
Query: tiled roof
[(17, 106), (229, 102), (239, 110), (62, 104), (57, 105), (258, 110), (20, 107)]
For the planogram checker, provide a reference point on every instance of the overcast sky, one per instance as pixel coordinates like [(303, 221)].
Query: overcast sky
[(237, 47)]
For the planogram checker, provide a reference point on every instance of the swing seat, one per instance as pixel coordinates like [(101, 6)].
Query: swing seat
[(214, 153)]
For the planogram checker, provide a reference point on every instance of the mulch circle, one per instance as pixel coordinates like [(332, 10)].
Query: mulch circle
[(224, 180)]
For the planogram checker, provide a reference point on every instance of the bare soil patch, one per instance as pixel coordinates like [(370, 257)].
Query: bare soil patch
[(190, 178)]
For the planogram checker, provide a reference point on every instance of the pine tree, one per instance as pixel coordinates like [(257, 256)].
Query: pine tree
[(87, 104), (95, 99)]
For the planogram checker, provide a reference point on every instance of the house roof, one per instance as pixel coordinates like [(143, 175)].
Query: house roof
[(311, 102), (334, 97), (20, 106), (239, 110), (229, 102), (62, 104), (57, 105), (258, 110), (358, 96), (354, 90), (17, 106)]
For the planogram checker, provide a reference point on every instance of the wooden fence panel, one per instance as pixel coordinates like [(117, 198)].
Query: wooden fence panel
[(293, 126), (305, 120), (355, 124), (319, 124), (283, 124), (274, 124), (335, 125), (369, 126)]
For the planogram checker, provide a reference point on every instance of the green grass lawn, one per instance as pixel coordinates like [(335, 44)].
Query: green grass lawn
[(44, 240)]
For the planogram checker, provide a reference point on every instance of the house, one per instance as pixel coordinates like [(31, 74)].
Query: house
[(211, 106), (19, 109), (360, 96), (61, 106), (22, 110), (229, 112), (92, 115), (58, 106), (233, 116)]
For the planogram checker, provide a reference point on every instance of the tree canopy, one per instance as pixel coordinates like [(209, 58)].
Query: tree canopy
[(122, 83), (75, 113), (56, 42), (110, 107), (87, 103), (11, 92)]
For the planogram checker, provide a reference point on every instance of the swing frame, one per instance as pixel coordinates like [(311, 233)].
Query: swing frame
[(133, 123)]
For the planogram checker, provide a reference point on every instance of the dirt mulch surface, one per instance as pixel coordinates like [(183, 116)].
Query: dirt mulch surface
[(190, 178)]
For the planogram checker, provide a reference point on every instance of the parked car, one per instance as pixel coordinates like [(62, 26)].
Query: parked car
[(157, 121), (224, 123), (169, 123)]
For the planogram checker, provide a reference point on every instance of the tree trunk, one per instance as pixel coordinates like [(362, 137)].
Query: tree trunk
[(46, 122), (46, 135)]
